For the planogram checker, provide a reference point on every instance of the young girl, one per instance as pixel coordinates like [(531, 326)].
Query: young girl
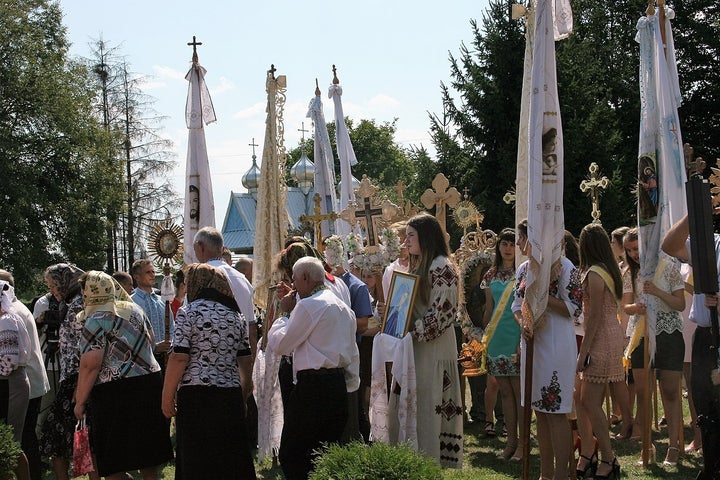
[(502, 337), (439, 411)]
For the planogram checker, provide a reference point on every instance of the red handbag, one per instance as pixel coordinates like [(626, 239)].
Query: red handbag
[(82, 457)]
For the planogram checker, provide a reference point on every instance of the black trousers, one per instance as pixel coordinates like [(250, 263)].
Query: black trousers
[(29, 442), (706, 397), (316, 413)]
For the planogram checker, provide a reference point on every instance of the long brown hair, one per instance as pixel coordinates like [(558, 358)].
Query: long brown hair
[(631, 235), (431, 239), (595, 250)]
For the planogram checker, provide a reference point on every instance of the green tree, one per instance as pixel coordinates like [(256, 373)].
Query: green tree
[(54, 190)]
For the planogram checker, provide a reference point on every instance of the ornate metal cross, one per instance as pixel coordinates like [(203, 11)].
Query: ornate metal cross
[(371, 213), (592, 187), (316, 219), (439, 196)]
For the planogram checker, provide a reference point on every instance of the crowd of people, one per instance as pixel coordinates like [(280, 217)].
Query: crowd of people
[(129, 361)]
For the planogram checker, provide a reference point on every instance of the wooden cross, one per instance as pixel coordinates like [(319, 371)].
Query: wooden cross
[(194, 44), (316, 219), (439, 196), (371, 213), (592, 187), (693, 166)]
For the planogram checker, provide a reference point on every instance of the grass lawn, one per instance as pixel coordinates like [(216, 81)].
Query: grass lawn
[(480, 460)]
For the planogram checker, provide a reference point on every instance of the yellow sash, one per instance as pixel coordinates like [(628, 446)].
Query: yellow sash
[(639, 331), (499, 309)]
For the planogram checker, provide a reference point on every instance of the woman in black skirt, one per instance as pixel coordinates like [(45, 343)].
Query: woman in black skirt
[(121, 381), (209, 363)]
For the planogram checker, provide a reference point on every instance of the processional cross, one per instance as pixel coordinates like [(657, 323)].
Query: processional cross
[(592, 187), (194, 44), (693, 166), (371, 214), (317, 218), (439, 196)]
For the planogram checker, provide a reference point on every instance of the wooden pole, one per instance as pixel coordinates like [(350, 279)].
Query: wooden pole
[(646, 410), (527, 410)]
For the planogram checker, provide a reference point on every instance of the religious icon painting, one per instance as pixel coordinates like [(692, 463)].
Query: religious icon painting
[(398, 312)]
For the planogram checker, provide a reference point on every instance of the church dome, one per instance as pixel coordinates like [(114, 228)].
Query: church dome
[(251, 179), (303, 172)]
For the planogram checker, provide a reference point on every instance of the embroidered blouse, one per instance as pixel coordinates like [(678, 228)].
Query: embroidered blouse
[(440, 313)]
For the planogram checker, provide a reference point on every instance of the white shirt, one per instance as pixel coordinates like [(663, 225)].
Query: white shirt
[(320, 333), (340, 289), (242, 289), (388, 273), (35, 368)]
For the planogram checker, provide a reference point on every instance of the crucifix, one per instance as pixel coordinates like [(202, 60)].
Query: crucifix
[(253, 145), (272, 70), (439, 196), (592, 187), (302, 129), (371, 213), (194, 44), (316, 219), (693, 166)]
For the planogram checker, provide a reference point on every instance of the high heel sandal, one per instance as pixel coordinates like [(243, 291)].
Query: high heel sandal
[(590, 468), (614, 470), (507, 453), (489, 429), (671, 462), (625, 432)]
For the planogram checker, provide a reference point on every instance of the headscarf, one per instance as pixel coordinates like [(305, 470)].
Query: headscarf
[(102, 293), (65, 277), (7, 297), (211, 283), (296, 251)]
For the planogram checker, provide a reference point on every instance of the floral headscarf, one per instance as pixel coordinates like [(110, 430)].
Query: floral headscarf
[(206, 281), (102, 293), (296, 251), (65, 277)]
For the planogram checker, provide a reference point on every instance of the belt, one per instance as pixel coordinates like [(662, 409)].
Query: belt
[(320, 372)]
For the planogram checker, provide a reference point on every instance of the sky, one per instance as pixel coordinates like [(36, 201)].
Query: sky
[(391, 58)]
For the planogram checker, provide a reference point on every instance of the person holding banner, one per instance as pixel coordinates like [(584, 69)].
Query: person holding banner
[(554, 352), (599, 360), (502, 336), (669, 289)]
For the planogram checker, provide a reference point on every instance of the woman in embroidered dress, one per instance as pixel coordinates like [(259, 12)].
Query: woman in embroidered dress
[(599, 360), (553, 371), (210, 336), (439, 411), (669, 293), (502, 337), (56, 441)]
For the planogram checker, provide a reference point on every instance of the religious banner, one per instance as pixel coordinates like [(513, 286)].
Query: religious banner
[(661, 166), (324, 165), (546, 220), (199, 202), (346, 154), (271, 214)]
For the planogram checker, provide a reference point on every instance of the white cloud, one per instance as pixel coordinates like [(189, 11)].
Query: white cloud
[(250, 112), (223, 85), (168, 72)]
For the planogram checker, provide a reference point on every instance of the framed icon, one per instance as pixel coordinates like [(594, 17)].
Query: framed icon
[(398, 311)]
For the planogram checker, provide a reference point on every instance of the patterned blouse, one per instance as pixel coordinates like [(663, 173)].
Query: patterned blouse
[(668, 320), (127, 344), (214, 336), (440, 314), (69, 334)]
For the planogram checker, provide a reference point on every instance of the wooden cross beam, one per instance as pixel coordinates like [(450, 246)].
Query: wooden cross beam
[(440, 196), (316, 219), (592, 187)]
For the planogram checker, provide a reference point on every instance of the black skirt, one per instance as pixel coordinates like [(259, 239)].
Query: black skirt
[(127, 428), (211, 435)]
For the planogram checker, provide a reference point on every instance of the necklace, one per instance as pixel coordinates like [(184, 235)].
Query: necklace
[(317, 289)]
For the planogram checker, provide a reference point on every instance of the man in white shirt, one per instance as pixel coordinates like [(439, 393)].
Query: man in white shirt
[(320, 334), (208, 246)]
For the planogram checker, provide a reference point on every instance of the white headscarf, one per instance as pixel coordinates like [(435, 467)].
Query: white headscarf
[(7, 297)]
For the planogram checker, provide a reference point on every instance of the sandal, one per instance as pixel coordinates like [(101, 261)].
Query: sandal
[(614, 470), (489, 429), (671, 457), (590, 468)]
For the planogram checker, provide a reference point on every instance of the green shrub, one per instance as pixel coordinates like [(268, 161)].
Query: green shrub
[(9, 451), (357, 461)]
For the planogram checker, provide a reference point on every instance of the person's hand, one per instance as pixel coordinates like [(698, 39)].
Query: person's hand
[(169, 408), (640, 309), (79, 411), (580, 362), (711, 300), (282, 289), (287, 302), (381, 308), (650, 288), (163, 347)]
